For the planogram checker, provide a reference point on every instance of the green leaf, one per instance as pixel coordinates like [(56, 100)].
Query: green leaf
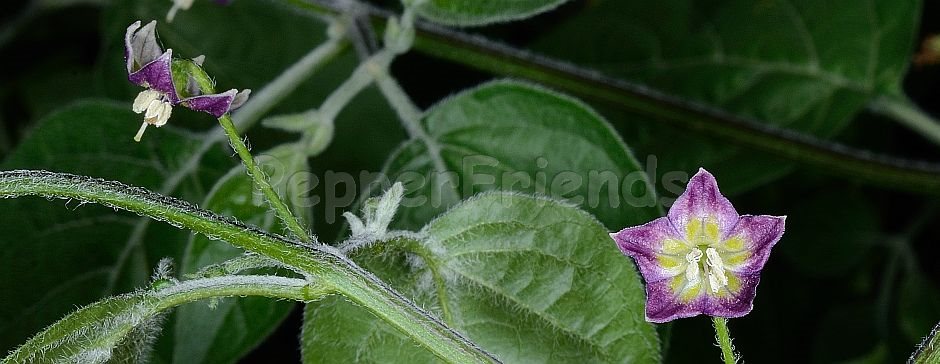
[(529, 279), (483, 12), (513, 136), (232, 327), (801, 64), (74, 254)]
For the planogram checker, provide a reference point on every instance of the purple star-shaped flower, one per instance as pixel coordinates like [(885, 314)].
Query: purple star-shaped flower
[(150, 67), (702, 258)]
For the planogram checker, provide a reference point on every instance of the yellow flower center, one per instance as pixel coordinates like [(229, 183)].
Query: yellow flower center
[(702, 235)]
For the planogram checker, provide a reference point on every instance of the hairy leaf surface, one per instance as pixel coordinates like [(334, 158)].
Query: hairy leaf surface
[(530, 279)]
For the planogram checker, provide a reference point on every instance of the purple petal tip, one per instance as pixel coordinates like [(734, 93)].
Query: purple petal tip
[(215, 104)]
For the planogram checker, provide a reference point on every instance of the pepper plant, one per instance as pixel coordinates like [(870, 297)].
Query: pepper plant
[(525, 181)]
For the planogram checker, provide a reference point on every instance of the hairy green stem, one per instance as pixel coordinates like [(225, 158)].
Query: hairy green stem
[(724, 340), (107, 323), (325, 264), (408, 113), (272, 93), (236, 265), (360, 78), (825, 156), (410, 116), (257, 175), (906, 113), (275, 91), (234, 285)]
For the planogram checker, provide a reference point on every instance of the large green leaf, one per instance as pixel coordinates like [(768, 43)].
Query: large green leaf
[(513, 136), (529, 279), (801, 64), (482, 12), (73, 254)]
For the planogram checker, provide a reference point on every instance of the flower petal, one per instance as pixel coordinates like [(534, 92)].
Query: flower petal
[(158, 76), (656, 247), (747, 246), (140, 45), (128, 45), (215, 104), (734, 300), (241, 98), (665, 302), (702, 200)]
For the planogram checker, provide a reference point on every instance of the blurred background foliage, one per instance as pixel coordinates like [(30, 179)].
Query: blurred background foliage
[(853, 280)]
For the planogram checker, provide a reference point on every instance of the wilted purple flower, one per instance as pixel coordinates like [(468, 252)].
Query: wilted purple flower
[(151, 67), (702, 258)]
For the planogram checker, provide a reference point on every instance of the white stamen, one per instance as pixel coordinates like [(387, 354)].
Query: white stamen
[(140, 132), (694, 255), (692, 270), (153, 110), (143, 100), (713, 282), (156, 112), (164, 115), (716, 274)]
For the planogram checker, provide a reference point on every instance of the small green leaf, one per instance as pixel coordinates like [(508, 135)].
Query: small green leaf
[(73, 254), (513, 136), (529, 279), (483, 12)]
